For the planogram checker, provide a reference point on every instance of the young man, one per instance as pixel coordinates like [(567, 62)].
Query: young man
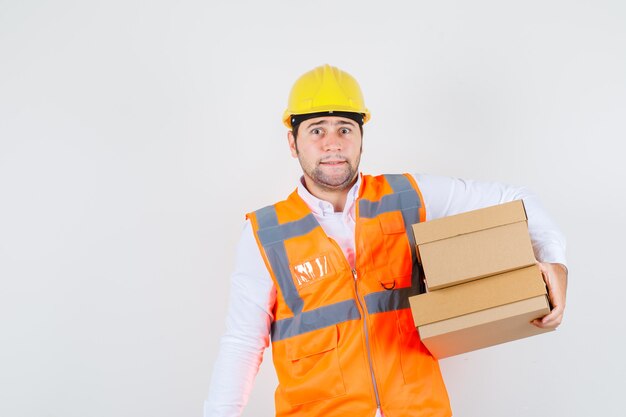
[(328, 272)]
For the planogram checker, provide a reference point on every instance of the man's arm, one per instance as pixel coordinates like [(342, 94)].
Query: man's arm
[(446, 196), (252, 296)]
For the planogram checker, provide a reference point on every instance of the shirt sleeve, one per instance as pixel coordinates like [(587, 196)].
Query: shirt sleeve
[(252, 296), (446, 196)]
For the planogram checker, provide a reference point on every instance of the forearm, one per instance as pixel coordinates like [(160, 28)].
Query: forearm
[(252, 296), (549, 243), (233, 377)]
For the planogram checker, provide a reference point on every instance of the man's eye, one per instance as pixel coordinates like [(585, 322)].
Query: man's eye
[(345, 130), (316, 131)]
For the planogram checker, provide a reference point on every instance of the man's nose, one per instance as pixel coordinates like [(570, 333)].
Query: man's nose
[(332, 142)]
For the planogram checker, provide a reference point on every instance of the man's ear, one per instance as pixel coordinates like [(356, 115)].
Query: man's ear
[(292, 144)]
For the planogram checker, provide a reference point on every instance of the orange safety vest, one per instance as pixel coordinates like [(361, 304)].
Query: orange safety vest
[(343, 339)]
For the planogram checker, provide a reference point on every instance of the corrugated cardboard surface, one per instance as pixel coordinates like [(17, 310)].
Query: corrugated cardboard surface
[(485, 328), (477, 295), (473, 245), (470, 221)]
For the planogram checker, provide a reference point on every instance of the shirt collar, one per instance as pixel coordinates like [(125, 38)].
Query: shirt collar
[(324, 208)]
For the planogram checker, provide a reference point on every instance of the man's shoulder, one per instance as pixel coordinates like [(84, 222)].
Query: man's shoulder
[(396, 180), (389, 175), (264, 210)]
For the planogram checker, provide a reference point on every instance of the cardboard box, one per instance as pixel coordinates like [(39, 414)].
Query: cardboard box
[(485, 328), (477, 295), (481, 313), (484, 287), (473, 245)]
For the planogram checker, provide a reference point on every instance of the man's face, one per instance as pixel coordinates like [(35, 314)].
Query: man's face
[(329, 151)]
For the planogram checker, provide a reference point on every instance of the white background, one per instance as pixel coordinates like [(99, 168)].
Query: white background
[(134, 135)]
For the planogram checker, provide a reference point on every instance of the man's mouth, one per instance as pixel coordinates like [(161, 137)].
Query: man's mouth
[(333, 162)]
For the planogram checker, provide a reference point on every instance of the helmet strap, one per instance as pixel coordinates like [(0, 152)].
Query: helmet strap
[(296, 119)]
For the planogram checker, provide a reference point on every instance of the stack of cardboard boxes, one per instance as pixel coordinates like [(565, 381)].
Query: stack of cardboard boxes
[(484, 287)]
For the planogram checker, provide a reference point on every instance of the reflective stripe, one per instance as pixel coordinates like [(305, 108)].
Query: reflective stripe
[(266, 217), (315, 319), (279, 233), (398, 183), (410, 217), (383, 301), (391, 202), (277, 257), (404, 197)]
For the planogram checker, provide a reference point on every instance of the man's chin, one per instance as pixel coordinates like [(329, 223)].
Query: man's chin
[(335, 184)]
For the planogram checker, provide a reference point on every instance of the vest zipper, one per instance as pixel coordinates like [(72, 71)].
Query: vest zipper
[(367, 341)]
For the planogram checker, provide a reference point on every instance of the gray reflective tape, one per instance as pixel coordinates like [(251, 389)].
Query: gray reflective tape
[(398, 183), (266, 217), (391, 202), (411, 216), (277, 257), (285, 231), (404, 197), (383, 301), (319, 318)]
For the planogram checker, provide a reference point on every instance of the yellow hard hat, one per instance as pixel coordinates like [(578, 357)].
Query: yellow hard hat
[(325, 89)]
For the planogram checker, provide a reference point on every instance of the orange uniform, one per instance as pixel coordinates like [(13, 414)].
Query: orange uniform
[(343, 339)]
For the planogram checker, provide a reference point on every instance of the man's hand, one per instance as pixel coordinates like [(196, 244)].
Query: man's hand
[(555, 276)]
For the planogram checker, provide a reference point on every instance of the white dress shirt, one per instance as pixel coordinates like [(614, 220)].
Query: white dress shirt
[(253, 294)]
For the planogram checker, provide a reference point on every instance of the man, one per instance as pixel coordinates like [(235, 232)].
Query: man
[(328, 271)]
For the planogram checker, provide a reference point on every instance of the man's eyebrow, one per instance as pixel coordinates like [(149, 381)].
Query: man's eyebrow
[(345, 122), (338, 122), (321, 122)]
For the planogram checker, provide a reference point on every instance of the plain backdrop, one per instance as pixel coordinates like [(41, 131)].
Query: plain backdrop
[(134, 135)]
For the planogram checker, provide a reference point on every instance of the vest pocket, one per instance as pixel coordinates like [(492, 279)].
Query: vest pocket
[(391, 223), (414, 356), (314, 372), (396, 250)]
